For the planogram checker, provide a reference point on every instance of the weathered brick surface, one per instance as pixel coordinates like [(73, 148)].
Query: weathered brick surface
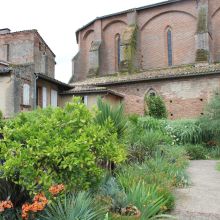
[(27, 47), (184, 98), (26, 53)]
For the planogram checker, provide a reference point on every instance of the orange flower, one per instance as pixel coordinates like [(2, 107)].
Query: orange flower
[(56, 189), (5, 205), (39, 203)]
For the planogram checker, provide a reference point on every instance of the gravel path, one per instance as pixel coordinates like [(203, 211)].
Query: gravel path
[(200, 201)]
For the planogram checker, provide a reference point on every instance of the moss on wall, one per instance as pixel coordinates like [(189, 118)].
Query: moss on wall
[(202, 55), (202, 25), (129, 49)]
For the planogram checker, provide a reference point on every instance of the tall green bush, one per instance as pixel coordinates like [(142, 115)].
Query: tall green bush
[(156, 106), (210, 121), (54, 146)]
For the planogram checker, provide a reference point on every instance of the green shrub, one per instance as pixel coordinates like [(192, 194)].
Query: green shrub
[(151, 124), (185, 131), (156, 107), (214, 152), (114, 114), (196, 152), (165, 170), (145, 144), (145, 136), (55, 146), (210, 121), (79, 206)]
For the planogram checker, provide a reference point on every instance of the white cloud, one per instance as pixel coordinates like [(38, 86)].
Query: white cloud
[(58, 20)]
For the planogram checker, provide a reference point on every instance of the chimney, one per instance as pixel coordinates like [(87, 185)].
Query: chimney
[(5, 31)]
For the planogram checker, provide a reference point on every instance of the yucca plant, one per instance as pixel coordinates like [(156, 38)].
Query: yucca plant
[(148, 200), (113, 113), (74, 207)]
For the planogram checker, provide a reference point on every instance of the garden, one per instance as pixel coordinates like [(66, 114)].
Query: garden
[(73, 164)]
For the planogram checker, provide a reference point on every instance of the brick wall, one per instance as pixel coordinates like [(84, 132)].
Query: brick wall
[(20, 47), (181, 18), (184, 98)]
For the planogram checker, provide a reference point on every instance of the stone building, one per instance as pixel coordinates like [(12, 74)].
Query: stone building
[(26, 73), (171, 49)]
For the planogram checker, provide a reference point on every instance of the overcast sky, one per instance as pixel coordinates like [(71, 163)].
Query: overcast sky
[(57, 21)]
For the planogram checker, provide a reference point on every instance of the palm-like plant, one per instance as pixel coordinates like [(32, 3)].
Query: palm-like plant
[(113, 113), (74, 207)]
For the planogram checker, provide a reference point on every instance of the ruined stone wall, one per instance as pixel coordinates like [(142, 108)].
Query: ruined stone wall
[(44, 59), (17, 47)]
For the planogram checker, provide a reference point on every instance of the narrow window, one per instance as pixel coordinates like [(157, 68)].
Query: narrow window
[(53, 98), (26, 94), (169, 47), (44, 97), (117, 51), (7, 48), (85, 100)]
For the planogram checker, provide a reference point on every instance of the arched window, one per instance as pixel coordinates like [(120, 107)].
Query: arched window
[(169, 47), (151, 92), (117, 51)]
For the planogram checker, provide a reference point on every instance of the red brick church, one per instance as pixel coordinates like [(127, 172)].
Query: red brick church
[(171, 49)]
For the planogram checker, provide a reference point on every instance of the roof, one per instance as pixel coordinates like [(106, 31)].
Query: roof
[(126, 11), (52, 80), (29, 31), (152, 75), (91, 90)]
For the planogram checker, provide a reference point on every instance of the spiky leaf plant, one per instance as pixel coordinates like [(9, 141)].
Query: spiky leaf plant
[(113, 113), (78, 207)]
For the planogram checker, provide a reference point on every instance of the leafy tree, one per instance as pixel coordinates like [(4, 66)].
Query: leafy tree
[(53, 146)]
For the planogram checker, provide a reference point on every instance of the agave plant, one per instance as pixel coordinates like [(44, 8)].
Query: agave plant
[(109, 188), (78, 207)]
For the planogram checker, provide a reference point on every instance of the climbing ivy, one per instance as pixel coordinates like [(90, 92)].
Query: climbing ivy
[(202, 21)]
